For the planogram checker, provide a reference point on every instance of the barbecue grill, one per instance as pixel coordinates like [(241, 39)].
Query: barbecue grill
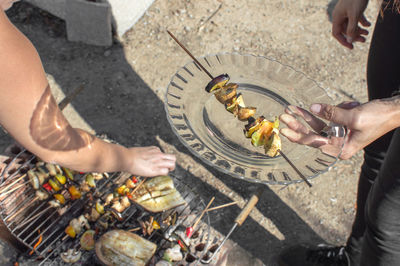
[(41, 229)]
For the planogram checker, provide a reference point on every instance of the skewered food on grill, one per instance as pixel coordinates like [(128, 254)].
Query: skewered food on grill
[(119, 247), (158, 194), (87, 240), (76, 225), (71, 256)]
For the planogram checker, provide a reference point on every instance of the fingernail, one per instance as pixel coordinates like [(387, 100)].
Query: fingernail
[(349, 39), (315, 108), (292, 109)]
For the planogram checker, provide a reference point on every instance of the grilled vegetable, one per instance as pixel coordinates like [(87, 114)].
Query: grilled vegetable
[(245, 112), (74, 192), (234, 106), (54, 184), (273, 145), (125, 202), (68, 173), (69, 230), (226, 93), (217, 82), (87, 240), (34, 179), (71, 256), (119, 247), (173, 254), (99, 207), (129, 183), (90, 180), (51, 168), (260, 136), (41, 194), (253, 125), (60, 198), (158, 194), (61, 179)]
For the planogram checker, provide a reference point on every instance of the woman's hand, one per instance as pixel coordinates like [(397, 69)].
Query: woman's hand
[(345, 18), (150, 161), (365, 123)]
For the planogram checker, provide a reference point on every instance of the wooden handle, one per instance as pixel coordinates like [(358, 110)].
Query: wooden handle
[(249, 206)]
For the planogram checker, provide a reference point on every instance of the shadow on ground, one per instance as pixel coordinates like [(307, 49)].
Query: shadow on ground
[(118, 103)]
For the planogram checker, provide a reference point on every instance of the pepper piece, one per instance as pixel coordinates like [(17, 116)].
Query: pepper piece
[(156, 225), (189, 231), (69, 230), (61, 179), (54, 184), (90, 180), (47, 187), (259, 137), (99, 207), (75, 193), (60, 198), (68, 173)]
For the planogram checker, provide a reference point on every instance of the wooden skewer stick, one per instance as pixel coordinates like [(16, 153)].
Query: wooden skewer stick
[(138, 186), (222, 206), (202, 214), (9, 185), (134, 229), (22, 209), (12, 190), (295, 168), (190, 54)]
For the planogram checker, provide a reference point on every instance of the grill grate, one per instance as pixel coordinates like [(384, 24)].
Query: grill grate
[(28, 219)]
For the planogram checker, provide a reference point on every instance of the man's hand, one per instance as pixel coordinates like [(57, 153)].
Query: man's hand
[(345, 22)]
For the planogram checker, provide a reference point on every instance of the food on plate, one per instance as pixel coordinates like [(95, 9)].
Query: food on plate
[(217, 82), (118, 247), (158, 194), (260, 130)]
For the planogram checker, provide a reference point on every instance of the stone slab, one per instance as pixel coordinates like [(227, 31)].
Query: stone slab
[(89, 22), (127, 13)]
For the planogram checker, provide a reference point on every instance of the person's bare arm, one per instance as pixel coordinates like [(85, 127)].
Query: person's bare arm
[(30, 114)]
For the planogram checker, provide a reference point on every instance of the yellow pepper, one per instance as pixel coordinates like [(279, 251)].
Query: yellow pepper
[(54, 184), (60, 198), (69, 230), (74, 192), (61, 179)]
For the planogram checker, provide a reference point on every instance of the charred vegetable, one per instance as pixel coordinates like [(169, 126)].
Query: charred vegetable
[(253, 125), (226, 93), (87, 240), (158, 194), (273, 145), (217, 82), (245, 113), (119, 247)]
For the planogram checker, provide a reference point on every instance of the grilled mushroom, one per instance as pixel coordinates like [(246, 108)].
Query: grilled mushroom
[(227, 93), (71, 256)]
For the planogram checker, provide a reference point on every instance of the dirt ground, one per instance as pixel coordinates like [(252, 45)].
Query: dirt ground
[(124, 88)]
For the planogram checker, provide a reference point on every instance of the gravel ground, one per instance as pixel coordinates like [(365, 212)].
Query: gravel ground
[(125, 86)]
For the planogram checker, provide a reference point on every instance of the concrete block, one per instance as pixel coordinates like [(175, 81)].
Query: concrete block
[(89, 22), (127, 12), (55, 7)]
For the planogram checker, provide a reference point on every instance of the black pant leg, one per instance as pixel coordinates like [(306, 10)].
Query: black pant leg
[(383, 79)]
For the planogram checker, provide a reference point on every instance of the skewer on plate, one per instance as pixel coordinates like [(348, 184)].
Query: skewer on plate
[(218, 83)]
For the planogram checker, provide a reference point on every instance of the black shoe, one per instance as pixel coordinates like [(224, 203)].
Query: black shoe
[(322, 255)]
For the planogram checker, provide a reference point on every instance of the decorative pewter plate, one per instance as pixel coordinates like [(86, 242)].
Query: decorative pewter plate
[(216, 136)]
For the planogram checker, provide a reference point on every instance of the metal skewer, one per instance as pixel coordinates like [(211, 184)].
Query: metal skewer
[(190, 54), (202, 67)]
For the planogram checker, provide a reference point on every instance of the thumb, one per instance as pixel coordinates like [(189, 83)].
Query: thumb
[(331, 113)]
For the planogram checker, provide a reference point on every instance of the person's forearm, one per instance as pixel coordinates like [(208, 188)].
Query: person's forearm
[(391, 110), (99, 156)]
